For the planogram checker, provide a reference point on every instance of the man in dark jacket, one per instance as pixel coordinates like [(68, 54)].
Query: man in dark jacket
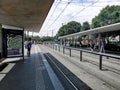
[(29, 45)]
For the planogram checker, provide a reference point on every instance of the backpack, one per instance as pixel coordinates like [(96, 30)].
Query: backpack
[(29, 45)]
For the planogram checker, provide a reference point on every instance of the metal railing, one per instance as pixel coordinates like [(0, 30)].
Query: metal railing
[(87, 51)]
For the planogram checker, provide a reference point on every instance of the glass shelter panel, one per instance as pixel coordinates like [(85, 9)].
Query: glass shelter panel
[(13, 42)]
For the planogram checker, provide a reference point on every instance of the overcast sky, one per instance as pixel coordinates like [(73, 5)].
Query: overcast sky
[(64, 11)]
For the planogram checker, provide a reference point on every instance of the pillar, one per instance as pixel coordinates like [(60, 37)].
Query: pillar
[(0, 40), (99, 38)]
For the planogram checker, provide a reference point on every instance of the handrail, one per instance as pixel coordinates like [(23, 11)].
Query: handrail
[(92, 52)]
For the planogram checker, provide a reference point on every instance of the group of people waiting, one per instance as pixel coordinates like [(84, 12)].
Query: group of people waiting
[(97, 45)]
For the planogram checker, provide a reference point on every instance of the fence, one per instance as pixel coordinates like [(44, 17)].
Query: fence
[(87, 51)]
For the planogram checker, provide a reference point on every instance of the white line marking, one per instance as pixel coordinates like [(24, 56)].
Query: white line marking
[(56, 83)]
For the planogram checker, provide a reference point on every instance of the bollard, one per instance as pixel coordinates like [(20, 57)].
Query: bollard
[(80, 55), (100, 62)]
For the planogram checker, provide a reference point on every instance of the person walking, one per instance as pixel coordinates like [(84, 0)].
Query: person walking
[(29, 45)]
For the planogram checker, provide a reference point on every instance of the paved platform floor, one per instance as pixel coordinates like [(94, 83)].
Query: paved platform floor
[(32, 74)]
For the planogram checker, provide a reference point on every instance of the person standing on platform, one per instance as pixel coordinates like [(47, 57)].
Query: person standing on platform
[(91, 45), (102, 47), (29, 46)]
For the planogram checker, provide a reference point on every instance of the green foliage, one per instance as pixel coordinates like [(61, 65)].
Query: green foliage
[(85, 26), (95, 22), (46, 38), (26, 38), (79, 38), (113, 47), (108, 15), (36, 38), (62, 31), (71, 27)]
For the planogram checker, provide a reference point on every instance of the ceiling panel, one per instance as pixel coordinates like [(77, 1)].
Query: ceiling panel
[(27, 14)]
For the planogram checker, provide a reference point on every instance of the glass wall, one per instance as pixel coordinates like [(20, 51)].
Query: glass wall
[(13, 42)]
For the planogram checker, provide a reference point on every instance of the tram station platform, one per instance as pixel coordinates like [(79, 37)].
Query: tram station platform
[(35, 73)]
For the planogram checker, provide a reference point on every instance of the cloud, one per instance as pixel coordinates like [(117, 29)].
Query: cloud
[(77, 10)]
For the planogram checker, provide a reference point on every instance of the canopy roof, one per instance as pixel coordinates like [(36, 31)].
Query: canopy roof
[(108, 28), (27, 14)]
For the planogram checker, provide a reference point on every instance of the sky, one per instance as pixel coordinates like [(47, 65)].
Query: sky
[(64, 11)]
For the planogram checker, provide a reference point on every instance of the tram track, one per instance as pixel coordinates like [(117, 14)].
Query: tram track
[(105, 67), (90, 56), (69, 80), (107, 59), (108, 78), (96, 63)]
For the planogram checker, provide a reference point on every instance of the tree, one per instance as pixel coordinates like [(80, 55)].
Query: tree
[(85, 26), (108, 15), (62, 31), (46, 38), (36, 38), (71, 27)]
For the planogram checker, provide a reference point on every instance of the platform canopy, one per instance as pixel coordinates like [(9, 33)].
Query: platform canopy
[(108, 28), (27, 14)]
